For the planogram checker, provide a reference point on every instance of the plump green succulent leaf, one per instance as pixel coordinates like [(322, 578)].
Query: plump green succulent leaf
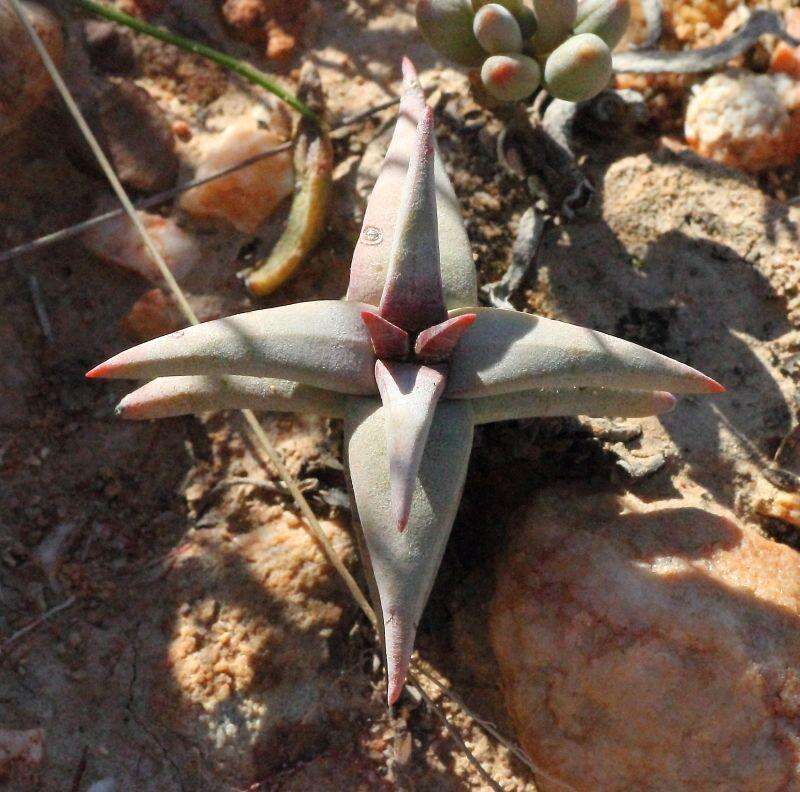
[(507, 351), (497, 30), (607, 19), (447, 26), (555, 19), (404, 565), (522, 12), (510, 77), (323, 343), (594, 402), (579, 69), (371, 256), (166, 397)]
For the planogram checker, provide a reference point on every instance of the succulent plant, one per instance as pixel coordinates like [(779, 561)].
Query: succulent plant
[(516, 46), (411, 365)]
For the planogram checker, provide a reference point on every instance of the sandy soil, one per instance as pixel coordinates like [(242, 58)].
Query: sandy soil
[(209, 646)]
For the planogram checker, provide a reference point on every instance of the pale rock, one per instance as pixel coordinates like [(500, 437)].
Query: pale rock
[(744, 120), (649, 647), (117, 241), (245, 198)]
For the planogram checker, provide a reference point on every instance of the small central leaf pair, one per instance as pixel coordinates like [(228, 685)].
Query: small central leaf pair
[(411, 334)]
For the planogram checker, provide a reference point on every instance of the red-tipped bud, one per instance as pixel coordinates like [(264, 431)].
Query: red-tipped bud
[(510, 77), (389, 341), (436, 344)]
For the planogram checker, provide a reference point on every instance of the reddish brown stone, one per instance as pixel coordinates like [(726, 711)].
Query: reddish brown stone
[(656, 649)]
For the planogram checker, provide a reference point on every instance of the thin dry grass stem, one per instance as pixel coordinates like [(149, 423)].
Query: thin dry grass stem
[(457, 738), (262, 441), (487, 726), (153, 200), (39, 620), (491, 729), (75, 112), (311, 524)]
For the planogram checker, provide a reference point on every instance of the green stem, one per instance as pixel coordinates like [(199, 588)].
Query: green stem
[(250, 73)]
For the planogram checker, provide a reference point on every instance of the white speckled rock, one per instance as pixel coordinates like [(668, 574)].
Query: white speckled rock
[(748, 121), (656, 649)]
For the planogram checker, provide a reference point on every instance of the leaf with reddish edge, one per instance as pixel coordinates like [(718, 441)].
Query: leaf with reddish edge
[(409, 393), (388, 340), (412, 295), (371, 256), (508, 351), (166, 397), (322, 343), (404, 565), (436, 343)]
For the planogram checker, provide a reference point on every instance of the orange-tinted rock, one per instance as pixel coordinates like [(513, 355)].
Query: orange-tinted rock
[(245, 198), (785, 58), (154, 314), (274, 25), (118, 242), (656, 649)]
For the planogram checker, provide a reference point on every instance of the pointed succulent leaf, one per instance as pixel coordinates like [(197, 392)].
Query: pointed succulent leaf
[(607, 19), (511, 77), (371, 256), (388, 340), (412, 295), (404, 565), (322, 343), (508, 351), (594, 402), (166, 397), (409, 393), (435, 344)]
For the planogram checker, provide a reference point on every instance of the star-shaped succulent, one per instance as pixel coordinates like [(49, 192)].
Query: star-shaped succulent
[(411, 365)]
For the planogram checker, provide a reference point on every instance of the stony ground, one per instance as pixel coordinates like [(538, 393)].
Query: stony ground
[(209, 645)]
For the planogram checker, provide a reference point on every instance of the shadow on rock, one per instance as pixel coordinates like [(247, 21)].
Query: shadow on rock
[(651, 649)]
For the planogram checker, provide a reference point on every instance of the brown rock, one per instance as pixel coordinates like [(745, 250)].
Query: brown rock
[(249, 655), (154, 314), (651, 649), (138, 137), (109, 46), (21, 753), (24, 81)]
